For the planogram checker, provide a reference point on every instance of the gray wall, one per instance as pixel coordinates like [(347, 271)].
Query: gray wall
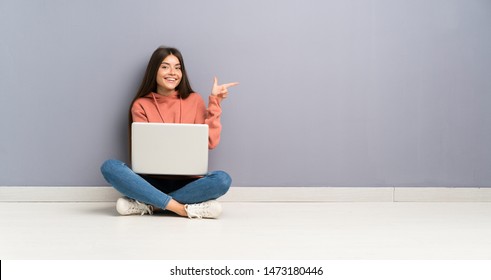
[(333, 93)]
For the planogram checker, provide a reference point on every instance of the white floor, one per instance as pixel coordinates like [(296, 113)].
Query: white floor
[(254, 230)]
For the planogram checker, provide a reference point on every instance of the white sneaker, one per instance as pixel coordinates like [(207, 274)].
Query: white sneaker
[(128, 206), (208, 209)]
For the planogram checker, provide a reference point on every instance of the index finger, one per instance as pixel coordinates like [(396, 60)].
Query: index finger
[(230, 84)]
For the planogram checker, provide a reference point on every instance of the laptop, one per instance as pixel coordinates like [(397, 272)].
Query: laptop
[(169, 148)]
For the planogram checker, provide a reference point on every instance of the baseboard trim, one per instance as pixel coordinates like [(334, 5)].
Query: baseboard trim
[(456, 194), (260, 194)]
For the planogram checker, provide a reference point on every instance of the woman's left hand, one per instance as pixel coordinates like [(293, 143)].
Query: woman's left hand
[(221, 91)]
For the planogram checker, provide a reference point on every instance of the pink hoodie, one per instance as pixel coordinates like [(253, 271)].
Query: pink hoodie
[(171, 109)]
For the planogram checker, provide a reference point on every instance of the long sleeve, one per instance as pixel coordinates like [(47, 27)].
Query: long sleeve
[(211, 117), (138, 113)]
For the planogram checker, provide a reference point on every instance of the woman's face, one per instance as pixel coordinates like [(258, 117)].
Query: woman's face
[(169, 75)]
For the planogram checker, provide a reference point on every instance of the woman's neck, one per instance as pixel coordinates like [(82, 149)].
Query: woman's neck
[(166, 92)]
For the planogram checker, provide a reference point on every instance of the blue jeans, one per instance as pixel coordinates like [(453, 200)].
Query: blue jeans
[(158, 191)]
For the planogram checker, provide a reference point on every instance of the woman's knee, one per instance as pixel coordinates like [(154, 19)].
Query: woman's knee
[(223, 180), (111, 166)]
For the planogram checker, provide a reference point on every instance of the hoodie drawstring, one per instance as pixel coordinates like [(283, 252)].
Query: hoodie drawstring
[(180, 109), (158, 109)]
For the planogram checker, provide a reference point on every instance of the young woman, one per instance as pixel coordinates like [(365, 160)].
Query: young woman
[(165, 95)]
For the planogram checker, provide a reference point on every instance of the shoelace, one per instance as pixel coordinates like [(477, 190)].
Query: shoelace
[(197, 209), (141, 207)]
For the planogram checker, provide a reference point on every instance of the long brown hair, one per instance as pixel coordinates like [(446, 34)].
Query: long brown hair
[(149, 82)]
